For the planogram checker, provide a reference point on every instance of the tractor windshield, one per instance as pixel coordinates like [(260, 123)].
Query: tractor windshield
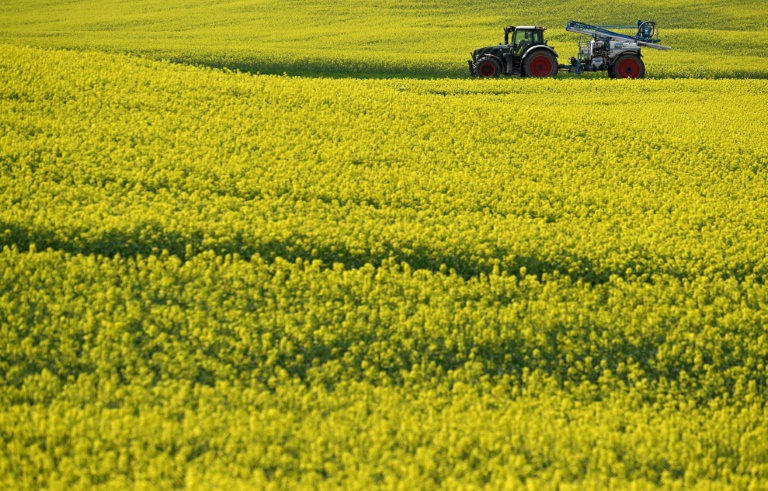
[(525, 38)]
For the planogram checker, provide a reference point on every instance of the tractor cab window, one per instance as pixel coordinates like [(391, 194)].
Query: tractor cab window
[(525, 38), (522, 37)]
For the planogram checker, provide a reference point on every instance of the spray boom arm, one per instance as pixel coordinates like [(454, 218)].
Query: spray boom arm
[(646, 33)]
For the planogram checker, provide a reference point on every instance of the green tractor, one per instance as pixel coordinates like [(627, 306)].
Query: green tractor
[(527, 54)]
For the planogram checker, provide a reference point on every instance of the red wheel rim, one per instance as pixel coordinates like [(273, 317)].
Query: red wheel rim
[(487, 69), (628, 68), (540, 66)]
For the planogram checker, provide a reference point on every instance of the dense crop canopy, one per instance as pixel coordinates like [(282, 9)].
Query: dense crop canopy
[(215, 279)]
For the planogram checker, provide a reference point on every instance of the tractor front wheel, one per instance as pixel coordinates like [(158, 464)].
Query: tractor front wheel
[(540, 63), (627, 66), (488, 67)]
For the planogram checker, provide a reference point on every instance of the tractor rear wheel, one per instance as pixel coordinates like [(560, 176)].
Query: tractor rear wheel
[(627, 66), (540, 63), (488, 67)]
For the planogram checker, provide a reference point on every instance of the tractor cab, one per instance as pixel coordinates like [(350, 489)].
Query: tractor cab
[(523, 37), (524, 52)]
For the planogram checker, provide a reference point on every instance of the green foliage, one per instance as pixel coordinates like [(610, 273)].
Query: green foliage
[(218, 280)]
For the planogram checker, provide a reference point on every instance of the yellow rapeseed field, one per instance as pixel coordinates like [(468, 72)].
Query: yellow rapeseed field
[(221, 279), (397, 38)]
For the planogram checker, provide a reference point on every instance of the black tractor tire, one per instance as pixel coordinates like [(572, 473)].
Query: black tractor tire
[(488, 67), (627, 66), (540, 63)]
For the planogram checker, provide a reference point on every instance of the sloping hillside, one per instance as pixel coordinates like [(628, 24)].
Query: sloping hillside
[(391, 37), (217, 280)]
